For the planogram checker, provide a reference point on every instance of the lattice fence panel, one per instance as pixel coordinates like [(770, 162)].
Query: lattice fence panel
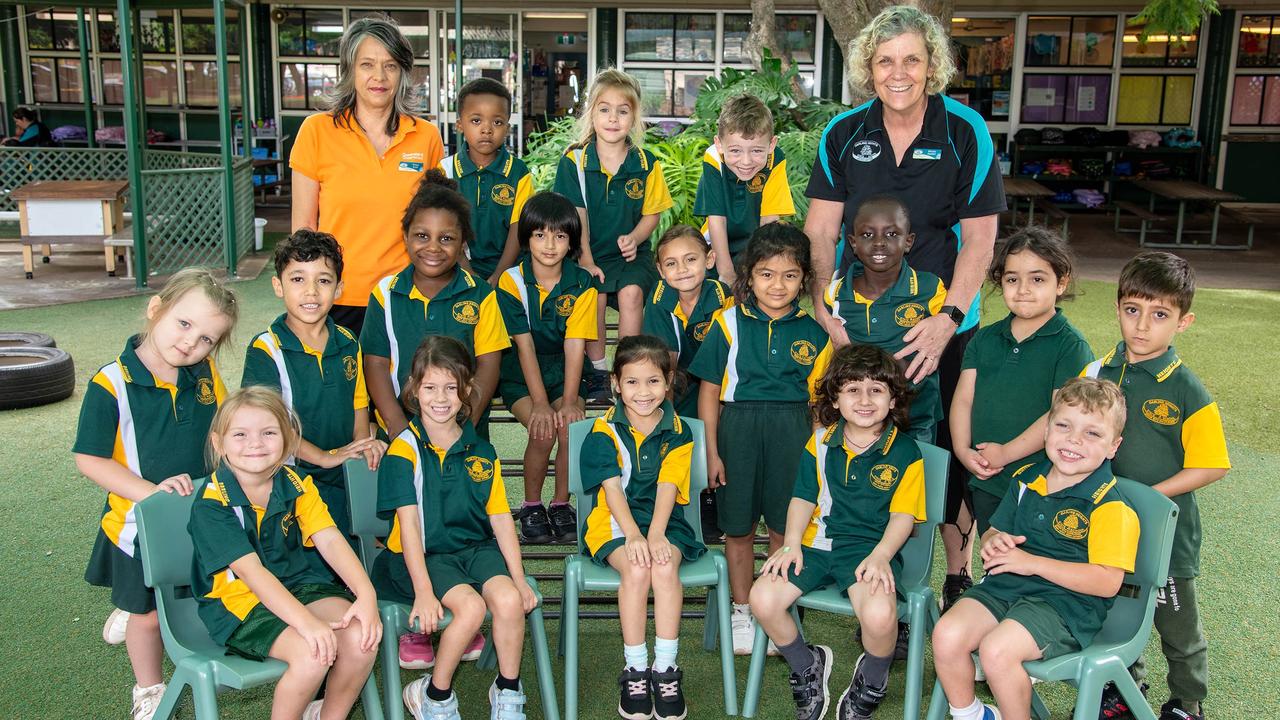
[(19, 166), (184, 214)]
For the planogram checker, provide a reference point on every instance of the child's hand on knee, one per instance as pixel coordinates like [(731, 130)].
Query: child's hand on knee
[(320, 638), (877, 573), (365, 612), (542, 422), (778, 564), (637, 548), (659, 549)]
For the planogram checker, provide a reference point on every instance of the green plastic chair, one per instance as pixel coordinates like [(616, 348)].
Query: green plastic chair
[(1126, 630), (710, 570), (362, 494), (199, 662), (918, 610)]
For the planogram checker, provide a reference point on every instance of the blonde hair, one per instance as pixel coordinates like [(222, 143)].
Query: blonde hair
[(1094, 396), (262, 398), (611, 79), (893, 21), (745, 115), (187, 280)]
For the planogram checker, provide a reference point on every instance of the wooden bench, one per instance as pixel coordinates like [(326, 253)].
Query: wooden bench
[(1145, 215), (120, 244), (1252, 214), (1053, 212)]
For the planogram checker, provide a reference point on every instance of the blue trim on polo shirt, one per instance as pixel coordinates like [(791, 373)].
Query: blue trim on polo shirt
[(986, 150)]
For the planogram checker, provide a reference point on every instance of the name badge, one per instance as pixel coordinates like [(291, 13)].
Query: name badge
[(411, 167), (926, 154)]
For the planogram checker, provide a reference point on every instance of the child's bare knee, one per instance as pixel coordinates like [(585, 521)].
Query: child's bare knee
[(635, 576), (765, 601), (880, 614), (505, 603), (951, 639), (630, 297), (998, 654)]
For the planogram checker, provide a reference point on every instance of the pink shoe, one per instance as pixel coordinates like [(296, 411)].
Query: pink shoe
[(473, 650), (416, 652)]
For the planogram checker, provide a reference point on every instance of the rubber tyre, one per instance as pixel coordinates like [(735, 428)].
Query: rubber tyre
[(9, 338), (31, 376)]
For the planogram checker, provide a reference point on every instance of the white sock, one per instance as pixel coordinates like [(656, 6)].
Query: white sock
[(973, 712), (743, 608), (599, 365), (664, 653), (636, 656)]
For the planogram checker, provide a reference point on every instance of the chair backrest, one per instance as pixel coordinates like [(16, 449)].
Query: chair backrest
[(362, 500), (917, 553), (578, 432)]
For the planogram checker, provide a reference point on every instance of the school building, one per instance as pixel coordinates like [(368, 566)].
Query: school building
[(1054, 65)]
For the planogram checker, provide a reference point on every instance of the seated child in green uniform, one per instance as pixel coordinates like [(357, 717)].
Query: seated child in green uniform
[(859, 493), (453, 543), (759, 365), (549, 305), (744, 180), (1012, 367), (882, 297), (633, 524), (494, 181), (1055, 556), (143, 427), (317, 367), (619, 191), (257, 590)]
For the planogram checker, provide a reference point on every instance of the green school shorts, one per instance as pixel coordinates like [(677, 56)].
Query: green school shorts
[(110, 567), (760, 444), (835, 567), (512, 387), (1037, 616), (619, 273), (255, 636), (474, 566), (984, 505)]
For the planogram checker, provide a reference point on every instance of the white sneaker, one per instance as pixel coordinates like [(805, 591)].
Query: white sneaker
[(313, 710), (113, 629), (146, 700), (423, 707), (744, 631), (506, 704), (773, 650)]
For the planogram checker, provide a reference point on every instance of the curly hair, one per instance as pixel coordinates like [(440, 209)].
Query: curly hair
[(893, 21), (436, 191), (859, 362)]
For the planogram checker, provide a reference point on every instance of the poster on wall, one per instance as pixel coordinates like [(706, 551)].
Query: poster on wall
[(1000, 103), (1041, 96)]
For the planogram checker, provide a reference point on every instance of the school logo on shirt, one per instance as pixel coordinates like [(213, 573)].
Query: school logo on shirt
[(908, 314), (286, 522), (503, 194), (1071, 524), (1161, 412), (662, 451), (204, 392), (635, 188), (756, 184), (349, 367), (466, 312), (564, 305), (480, 469), (883, 476), (804, 352), (866, 150), (700, 330)]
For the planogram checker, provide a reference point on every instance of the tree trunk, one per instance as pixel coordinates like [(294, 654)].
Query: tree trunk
[(847, 17), (762, 31)]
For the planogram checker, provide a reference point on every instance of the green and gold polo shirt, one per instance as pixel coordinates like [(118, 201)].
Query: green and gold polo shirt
[(665, 319), (855, 493), (564, 312), (400, 316), (757, 359), (1090, 522), (325, 387), (1172, 424), (1015, 383), (742, 203), (225, 526), (884, 322), (497, 193), (614, 203), (155, 429), (615, 449), (454, 489)]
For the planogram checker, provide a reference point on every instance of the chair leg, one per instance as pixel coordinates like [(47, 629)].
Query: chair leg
[(938, 708), (1038, 709), (488, 659), (1089, 697), (204, 693), (392, 704), (755, 673), (569, 621), (542, 663), (917, 621), (1138, 704), (371, 700), (710, 624), (724, 606), (172, 694)]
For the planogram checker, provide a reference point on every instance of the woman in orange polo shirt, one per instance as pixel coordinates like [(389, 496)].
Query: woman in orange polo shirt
[(356, 164)]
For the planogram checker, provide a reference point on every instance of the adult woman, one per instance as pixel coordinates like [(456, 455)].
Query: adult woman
[(356, 165), (30, 132), (936, 156)]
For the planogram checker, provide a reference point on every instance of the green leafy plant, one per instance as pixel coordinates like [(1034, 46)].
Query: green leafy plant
[(1174, 17)]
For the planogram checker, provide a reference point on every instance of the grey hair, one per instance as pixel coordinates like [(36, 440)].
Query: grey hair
[(893, 21), (341, 101)]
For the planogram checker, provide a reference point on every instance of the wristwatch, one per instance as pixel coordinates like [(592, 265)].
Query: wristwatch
[(953, 312)]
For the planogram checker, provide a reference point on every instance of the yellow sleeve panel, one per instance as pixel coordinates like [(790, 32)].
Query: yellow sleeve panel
[(657, 196), (507, 284), (1113, 536), (497, 503), (361, 398), (1203, 443), (491, 332), (675, 470), (524, 191), (909, 498), (776, 199), (100, 379), (939, 298), (400, 448), (819, 369), (219, 389), (582, 321), (313, 514)]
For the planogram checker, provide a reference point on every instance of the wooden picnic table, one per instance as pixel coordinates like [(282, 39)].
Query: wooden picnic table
[(1021, 188), (77, 212), (1184, 191)]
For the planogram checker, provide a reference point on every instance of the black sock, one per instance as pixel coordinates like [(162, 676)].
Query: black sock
[(797, 654), (505, 683), (875, 669), (436, 693)]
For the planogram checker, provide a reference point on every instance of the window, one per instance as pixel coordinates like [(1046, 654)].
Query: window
[(155, 29), (1256, 100), (655, 95), (201, 77), (1060, 98), (1256, 48), (795, 36), (159, 80), (679, 37), (302, 85), (198, 37), (53, 29), (1159, 49), (1155, 99), (310, 32), (984, 58), (1079, 40)]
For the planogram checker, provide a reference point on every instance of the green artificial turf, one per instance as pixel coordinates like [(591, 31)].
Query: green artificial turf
[(53, 662)]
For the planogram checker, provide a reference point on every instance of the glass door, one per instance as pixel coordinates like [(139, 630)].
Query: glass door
[(490, 48)]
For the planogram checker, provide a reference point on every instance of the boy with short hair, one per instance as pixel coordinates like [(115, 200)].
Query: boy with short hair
[(494, 181), (1055, 557), (744, 180), (317, 367)]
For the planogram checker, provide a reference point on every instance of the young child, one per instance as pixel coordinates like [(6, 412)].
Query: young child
[(257, 590), (317, 367), (633, 524), (882, 297), (549, 304), (1011, 368), (759, 365), (1055, 556), (432, 296), (453, 543), (858, 494), (142, 430), (619, 186), (494, 181), (744, 180)]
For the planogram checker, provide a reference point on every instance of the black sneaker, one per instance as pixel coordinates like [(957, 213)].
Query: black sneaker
[(1114, 706), (710, 522), (535, 526), (859, 699), (564, 522), (953, 587), (809, 688), (668, 698), (635, 702), (1172, 710), (595, 384), (902, 647)]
